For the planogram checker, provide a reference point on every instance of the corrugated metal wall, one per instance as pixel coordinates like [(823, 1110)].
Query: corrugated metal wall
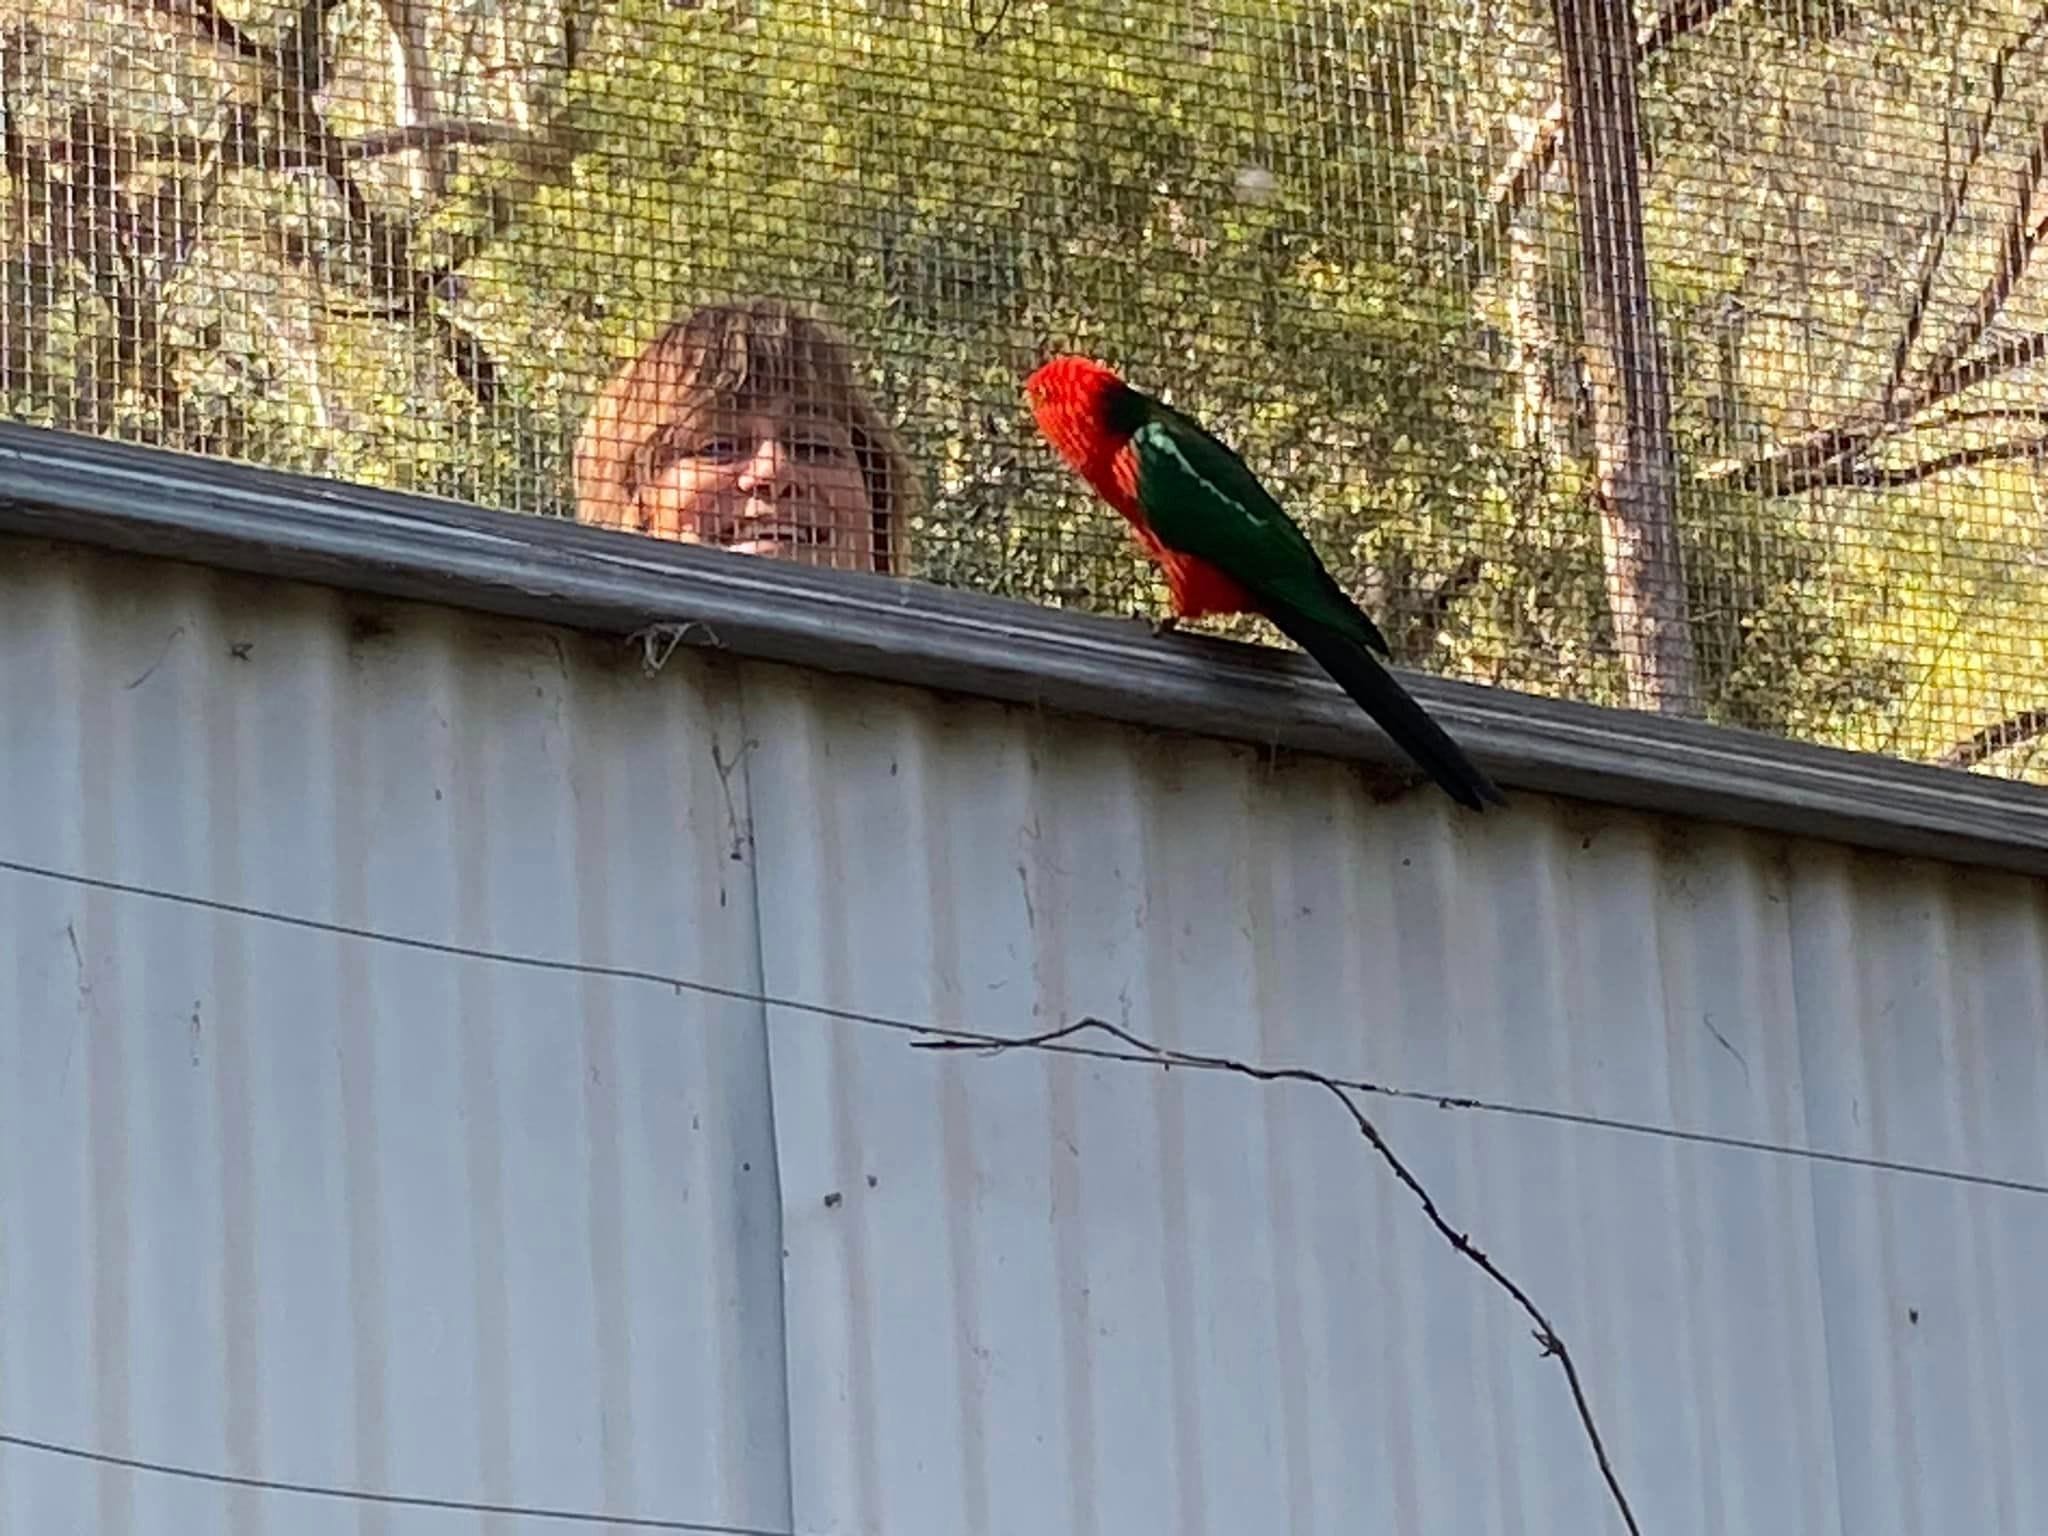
[(293, 1203)]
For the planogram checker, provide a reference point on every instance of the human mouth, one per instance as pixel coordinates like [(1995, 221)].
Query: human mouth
[(775, 538)]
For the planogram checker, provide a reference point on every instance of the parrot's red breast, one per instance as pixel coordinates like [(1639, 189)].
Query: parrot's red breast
[(1077, 403)]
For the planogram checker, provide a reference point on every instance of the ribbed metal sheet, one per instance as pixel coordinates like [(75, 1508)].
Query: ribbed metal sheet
[(1068, 1295), (292, 1204), (114, 495)]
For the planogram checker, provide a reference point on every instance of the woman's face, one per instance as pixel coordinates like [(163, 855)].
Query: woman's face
[(779, 481)]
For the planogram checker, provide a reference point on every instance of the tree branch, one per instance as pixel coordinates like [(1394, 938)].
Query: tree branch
[(412, 79), (290, 87), (1421, 636), (215, 28), (1790, 469), (2016, 248), (1680, 20), (1863, 475), (295, 72), (2008, 357), (2005, 415), (297, 53), (2014, 730), (1824, 458), (1526, 168), (1533, 158), (437, 135), (20, 45), (1546, 1334), (1952, 204)]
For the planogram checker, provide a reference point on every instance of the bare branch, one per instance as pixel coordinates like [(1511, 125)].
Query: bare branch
[(1680, 20), (2014, 730), (214, 27), (1952, 204), (295, 69), (1790, 469), (1533, 158), (986, 33), (1437, 604), (1546, 1334), (412, 78), (1527, 166), (440, 135), (2004, 415), (1863, 475), (2016, 248), (20, 48), (297, 53), (2008, 357)]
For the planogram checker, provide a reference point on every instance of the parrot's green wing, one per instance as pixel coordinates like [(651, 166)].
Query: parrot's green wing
[(1201, 499)]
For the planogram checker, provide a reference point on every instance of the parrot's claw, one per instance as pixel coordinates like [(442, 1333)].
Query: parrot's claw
[(1161, 628)]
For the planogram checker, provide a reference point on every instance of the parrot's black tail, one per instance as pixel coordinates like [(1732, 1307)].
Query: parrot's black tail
[(1360, 674)]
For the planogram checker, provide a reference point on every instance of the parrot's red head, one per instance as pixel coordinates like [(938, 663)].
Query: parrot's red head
[(1076, 402), (1069, 377)]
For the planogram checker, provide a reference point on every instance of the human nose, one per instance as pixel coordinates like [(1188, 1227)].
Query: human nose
[(767, 471)]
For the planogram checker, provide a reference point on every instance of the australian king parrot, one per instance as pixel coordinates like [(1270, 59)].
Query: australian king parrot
[(1227, 546)]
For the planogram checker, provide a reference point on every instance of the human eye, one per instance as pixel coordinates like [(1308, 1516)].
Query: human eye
[(816, 447)]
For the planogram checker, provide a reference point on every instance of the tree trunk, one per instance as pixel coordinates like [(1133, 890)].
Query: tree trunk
[(1637, 479)]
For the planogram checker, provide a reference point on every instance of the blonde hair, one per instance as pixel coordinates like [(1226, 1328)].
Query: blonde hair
[(734, 357)]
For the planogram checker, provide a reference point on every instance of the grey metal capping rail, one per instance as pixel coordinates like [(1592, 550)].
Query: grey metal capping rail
[(64, 486)]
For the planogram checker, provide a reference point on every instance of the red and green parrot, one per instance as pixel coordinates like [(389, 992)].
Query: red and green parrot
[(1226, 546)]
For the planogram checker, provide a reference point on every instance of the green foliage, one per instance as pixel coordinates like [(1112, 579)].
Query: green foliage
[(1092, 183), (1279, 216)]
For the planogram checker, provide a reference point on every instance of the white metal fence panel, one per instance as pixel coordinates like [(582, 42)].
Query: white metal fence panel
[(307, 1174)]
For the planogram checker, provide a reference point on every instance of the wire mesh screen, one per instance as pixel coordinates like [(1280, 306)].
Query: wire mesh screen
[(1682, 358)]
